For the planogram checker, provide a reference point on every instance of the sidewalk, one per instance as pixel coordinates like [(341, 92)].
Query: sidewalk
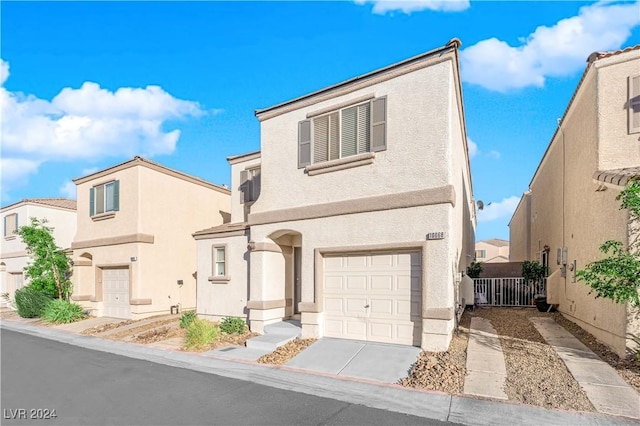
[(429, 405)]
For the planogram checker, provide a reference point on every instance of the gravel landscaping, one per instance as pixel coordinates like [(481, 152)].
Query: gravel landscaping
[(535, 373), (285, 352)]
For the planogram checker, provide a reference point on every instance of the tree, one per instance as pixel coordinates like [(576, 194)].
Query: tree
[(49, 268), (617, 276), (475, 269)]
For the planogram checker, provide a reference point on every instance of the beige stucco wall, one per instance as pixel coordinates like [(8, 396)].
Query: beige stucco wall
[(217, 299), (520, 230), (13, 250), (156, 204), (617, 148), (492, 251), (568, 211)]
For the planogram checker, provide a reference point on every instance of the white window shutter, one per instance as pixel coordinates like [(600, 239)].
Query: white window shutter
[(321, 139), (634, 103), (379, 124), (349, 131), (304, 143), (364, 127), (334, 136), (244, 184)]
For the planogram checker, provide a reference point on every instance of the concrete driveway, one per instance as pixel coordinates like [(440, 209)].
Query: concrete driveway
[(373, 361)]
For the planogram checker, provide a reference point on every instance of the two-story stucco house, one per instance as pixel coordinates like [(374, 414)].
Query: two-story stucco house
[(133, 253), (60, 214), (493, 250), (570, 208), (360, 213)]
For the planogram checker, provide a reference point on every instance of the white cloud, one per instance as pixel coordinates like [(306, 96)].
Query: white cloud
[(68, 190), (555, 51), (473, 148), (500, 210), (89, 123), (15, 172), (381, 7), (4, 71), (494, 154)]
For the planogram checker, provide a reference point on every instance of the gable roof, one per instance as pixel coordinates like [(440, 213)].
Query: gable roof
[(272, 111), (60, 203), (496, 242), (139, 161)]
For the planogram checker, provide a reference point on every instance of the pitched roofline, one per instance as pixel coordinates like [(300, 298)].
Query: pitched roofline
[(233, 159), (591, 59), (453, 44), (139, 161), (36, 201)]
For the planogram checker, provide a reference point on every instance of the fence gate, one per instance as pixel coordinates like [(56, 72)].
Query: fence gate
[(507, 291)]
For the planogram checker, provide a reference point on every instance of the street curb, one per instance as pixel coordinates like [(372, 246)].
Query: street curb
[(426, 404)]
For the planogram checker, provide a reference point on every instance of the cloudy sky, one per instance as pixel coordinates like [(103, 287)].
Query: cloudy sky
[(88, 85)]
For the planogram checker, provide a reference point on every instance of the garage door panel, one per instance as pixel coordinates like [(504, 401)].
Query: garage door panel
[(333, 283), (356, 329), (356, 282), (383, 260), (381, 331), (355, 262), (333, 263), (382, 283), (334, 306), (355, 307), (381, 307)]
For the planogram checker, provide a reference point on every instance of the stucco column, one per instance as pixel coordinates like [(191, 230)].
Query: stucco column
[(438, 309), (267, 290)]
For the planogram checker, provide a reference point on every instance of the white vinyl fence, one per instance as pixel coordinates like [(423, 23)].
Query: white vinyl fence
[(507, 291)]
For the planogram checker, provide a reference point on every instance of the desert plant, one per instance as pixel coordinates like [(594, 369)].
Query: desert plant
[(534, 271), (59, 311), (474, 270), (232, 325), (30, 302), (187, 318), (200, 334)]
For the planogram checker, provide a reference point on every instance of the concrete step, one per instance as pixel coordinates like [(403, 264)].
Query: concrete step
[(269, 342), (287, 328)]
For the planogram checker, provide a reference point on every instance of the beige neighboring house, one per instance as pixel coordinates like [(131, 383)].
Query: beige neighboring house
[(494, 250), (60, 214), (570, 208), (133, 253), (356, 217)]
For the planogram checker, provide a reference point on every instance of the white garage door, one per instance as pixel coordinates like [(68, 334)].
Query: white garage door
[(115, 293), (374, 297)]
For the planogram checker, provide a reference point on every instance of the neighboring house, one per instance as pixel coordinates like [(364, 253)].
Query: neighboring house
[(364, 221), (494, 250), (133, 252), (570, 208), (60, 214)]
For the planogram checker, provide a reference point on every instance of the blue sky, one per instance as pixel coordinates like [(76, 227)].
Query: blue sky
[(88, 85)]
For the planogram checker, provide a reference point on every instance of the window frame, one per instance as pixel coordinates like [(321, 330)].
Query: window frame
[(340, 126), (215, 278), (93, 199), (11, 235)]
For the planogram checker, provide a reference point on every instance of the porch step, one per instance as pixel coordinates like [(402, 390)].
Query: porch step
[(275, 335)]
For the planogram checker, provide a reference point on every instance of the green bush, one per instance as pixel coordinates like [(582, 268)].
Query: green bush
[(200, 334), (232, 325), (187, 318), (59, 311), (30, 302)]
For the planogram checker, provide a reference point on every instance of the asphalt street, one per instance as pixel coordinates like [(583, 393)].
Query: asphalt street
[(87, 387)]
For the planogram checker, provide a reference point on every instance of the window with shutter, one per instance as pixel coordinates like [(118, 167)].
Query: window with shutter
[(104, 198), (339, 134), (634, 103)]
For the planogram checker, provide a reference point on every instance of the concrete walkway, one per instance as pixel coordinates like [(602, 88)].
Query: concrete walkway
[(486, 370), (364, 360), (428, 405), (605, 389)]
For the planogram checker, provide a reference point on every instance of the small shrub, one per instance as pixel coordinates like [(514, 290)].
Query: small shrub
[(59, 311), (475, 269), (200, 334), (232, 325), (187, 318), (30, 302)]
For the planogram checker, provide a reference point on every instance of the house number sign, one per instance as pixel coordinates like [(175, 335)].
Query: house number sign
[(435, 235)]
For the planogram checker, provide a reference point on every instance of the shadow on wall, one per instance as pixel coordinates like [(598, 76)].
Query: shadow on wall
[(501, 270)]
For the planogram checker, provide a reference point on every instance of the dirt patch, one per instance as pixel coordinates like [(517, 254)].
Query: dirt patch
[(131, 333), (285, 352), (443, 371), (105, 327), (628, 369), (159, 334)]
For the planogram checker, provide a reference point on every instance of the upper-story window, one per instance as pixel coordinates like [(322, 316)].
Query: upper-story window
[(634, 104), (353, 130), (249, 185), (11, 224), (481, 254), (104, 198)]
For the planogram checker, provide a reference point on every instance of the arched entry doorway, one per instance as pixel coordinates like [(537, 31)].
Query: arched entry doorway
[(290, 242)]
